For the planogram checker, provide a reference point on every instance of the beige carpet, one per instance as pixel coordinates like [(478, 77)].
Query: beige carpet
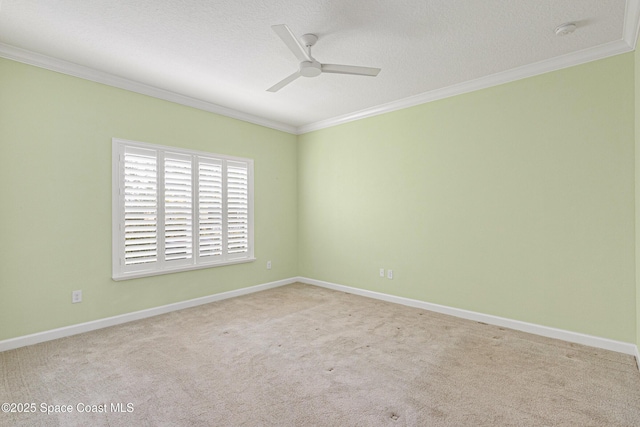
[(301, 355)]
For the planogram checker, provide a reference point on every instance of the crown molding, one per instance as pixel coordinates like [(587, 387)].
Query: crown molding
[(627, 43), (64, 67), (530, 70)]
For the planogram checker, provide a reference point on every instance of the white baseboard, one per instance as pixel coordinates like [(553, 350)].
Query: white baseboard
[(545, 331), (66, 331), (574, 337)]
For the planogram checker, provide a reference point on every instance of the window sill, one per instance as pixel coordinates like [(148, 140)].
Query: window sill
[(139, 274)]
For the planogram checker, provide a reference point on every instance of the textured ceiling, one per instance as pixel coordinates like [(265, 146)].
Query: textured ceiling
[(224, 52)]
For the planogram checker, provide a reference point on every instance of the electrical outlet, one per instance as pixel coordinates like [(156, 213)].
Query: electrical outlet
[(268, 265), (76, 296), (382, 272), (389, 274)]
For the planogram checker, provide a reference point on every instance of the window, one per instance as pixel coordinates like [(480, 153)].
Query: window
[(176, 209)]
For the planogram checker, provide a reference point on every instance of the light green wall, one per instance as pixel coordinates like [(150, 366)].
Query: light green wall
[(515, 201), (55, 193)]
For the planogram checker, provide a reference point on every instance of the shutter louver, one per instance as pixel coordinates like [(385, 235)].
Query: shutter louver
[(177, 210), (210, 208), (237, 208), (178, 234), (140, 209)]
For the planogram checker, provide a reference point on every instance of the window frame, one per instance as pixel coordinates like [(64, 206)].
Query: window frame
[(122, 272)]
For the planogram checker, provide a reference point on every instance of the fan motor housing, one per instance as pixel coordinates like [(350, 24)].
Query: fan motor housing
[(310, 68)]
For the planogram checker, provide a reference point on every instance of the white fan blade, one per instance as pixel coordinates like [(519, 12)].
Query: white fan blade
[(292, 42), (350, 69), (276, 87)]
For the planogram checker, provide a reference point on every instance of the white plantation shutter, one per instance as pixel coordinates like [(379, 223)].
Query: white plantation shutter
[(237, 209), (140, 227), (209, 207), (177, 210)]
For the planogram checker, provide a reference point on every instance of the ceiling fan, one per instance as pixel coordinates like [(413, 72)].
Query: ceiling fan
[(309, 67)]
